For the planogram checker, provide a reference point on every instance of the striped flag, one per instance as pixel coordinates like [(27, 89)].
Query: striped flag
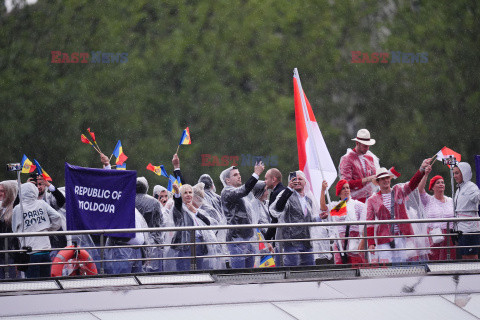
[(313, 156)]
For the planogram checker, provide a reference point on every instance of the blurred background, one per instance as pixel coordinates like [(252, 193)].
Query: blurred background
[(225, 70)]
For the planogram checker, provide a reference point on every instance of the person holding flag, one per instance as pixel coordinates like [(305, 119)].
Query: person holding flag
[(55, 198), (150, 209), (347, 209), (390, 204), (437, 206), (186, 214)]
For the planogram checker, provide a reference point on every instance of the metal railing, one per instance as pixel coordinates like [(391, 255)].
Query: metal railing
[(103, 234)]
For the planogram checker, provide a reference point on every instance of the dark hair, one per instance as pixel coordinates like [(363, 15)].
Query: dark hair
[(34, 175)]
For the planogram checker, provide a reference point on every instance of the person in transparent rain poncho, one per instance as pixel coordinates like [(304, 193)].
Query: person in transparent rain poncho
[(466, 199), (437, 206), (405, 204), (150, 209), (215, 217), (163, 196), (237, 207), (211, 197), (353, 210), (259, 202), (296, 204), (126, 254), (185, 214), (358, 167)]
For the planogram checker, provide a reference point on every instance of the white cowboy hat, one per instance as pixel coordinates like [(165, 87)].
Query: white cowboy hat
[(383, 173), (363, 136)]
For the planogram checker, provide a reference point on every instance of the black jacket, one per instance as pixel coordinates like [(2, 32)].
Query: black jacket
[(273, 196)]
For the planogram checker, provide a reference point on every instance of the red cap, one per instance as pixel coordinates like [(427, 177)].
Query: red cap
[(339, 186), (432, 182)]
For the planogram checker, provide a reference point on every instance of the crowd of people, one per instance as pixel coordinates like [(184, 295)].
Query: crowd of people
[(364, 192)]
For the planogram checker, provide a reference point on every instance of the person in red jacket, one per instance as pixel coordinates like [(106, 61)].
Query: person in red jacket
[(358, 167), (380, 206)]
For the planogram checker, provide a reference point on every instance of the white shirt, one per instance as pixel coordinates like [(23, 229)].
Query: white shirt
[(387, 202)]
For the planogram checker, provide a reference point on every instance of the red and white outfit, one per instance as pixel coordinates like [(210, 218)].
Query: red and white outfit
[(353, 168), (356, 211), (377, 210), (436, 209)]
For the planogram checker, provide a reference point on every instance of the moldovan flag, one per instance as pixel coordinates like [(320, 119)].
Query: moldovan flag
[(266, 262), (27, 165), (313, 156), (159, 170), (118, 153), (445, 152), (41, 171), (185, 139)]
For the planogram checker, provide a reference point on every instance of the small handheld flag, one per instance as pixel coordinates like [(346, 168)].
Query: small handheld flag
[(122, 166), (118, 153), (261, 244), (85, 140), (159, 170), (42, 172), (267, 262), (171, 181), (27, 165), (92, 134), (340, 209), (445, 152), (185, 139)]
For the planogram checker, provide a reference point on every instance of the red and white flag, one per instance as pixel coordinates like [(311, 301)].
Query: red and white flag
[(445, 152), (313, 156)]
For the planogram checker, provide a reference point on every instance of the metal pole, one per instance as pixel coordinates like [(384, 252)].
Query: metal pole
[(6, 259), (448, 241), (193, 251), (102, 254)]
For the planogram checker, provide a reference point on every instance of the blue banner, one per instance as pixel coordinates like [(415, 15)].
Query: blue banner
[(477, 169), (100, 199)]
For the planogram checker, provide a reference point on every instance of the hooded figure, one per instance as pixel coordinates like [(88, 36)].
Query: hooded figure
[(211, 197), (259, 205), (466, 200), (183, 215), (37, 216), (150, 209)]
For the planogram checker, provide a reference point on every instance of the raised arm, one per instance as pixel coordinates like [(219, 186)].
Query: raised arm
[(414, 182), (423, 182)]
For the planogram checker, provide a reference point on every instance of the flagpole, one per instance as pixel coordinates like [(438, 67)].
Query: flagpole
[(310, 135), (98, 146), (307, 124), (177, 149)]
